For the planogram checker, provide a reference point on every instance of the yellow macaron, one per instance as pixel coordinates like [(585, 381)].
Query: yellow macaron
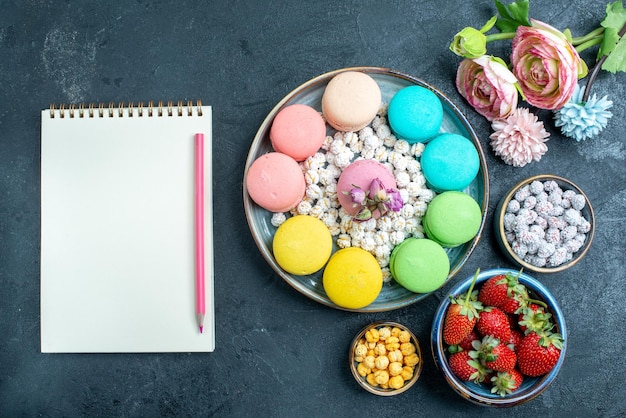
[(302, 245), (352, 278)]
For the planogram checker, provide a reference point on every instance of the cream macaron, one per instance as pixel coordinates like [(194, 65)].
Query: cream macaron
[(350, 101)]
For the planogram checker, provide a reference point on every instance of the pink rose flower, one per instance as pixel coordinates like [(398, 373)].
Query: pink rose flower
[(546, 65), (488, 85)]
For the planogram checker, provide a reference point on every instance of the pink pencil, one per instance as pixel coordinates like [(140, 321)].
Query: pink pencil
[(199, 209)]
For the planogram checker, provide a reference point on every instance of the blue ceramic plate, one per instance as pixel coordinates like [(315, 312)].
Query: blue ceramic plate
[(393, 296), (479, 393)]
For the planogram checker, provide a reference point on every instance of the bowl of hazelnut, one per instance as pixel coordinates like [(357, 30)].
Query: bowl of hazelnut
[(385, 358)]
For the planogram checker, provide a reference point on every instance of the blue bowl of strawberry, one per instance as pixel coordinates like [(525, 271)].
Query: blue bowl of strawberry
[(499, 337)]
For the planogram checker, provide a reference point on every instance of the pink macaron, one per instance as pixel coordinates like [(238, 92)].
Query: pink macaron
[(298, 130), (275, 182), (360, 173)]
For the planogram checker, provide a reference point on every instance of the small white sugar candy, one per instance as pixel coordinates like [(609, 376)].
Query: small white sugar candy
[(402, 179), (304, 207), (536, 187), (396, 237), (278, 218), (572, 217), (545, 249), (578, 202), (383, 132), (343, 241), (413, 166), (312, 177), (513, 206)]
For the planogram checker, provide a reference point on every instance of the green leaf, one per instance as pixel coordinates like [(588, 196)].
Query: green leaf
[(616, 61), (513, 15), (615, 15), (612, 45), (487, 26)]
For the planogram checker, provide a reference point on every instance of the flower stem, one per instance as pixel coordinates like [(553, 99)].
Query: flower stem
[(500, 36), (582, 39), (587, 44)]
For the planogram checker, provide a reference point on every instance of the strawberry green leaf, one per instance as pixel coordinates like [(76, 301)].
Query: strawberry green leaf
[(512, 16)]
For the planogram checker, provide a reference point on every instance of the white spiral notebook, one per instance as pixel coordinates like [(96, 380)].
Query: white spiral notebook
[(117, 229)]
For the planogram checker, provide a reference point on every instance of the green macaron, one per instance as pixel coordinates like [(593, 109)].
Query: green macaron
[(419, 265), (452, 218)]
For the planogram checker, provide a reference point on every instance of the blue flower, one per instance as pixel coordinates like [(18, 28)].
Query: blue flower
[(580, 120)]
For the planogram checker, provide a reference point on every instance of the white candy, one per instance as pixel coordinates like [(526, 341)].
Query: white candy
[(304, 207), (544, 224), (278, 218), (414, 167), (383, 132)]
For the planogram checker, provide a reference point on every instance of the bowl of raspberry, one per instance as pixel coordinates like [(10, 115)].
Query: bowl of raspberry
[(499, 338), (544, 224)]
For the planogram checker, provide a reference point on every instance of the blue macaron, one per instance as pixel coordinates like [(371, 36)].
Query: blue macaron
[(449, 162), (415, 114)]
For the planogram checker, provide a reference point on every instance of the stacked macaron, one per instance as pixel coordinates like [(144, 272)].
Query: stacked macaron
[(360, 174), (415, 114), (275, 182), (452, 218), (419, 264), (350, 101), (449, 162), (422, 265), (302, 245), (298, 130), (352, 278)]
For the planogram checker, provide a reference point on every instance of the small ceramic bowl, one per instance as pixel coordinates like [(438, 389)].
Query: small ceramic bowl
[(517, 258), (409, 358), (480, 394)]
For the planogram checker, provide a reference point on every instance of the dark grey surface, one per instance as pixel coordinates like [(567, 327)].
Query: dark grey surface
[(278, 353)]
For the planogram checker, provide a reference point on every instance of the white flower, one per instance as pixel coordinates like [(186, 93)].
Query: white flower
[(520, 138)]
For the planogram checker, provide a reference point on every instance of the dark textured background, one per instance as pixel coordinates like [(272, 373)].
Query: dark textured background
[(278, 353)]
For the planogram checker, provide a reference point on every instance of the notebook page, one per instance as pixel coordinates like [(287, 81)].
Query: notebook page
[(117, 249)]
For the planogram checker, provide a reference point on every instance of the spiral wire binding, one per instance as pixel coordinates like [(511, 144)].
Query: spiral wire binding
[(121, 110)]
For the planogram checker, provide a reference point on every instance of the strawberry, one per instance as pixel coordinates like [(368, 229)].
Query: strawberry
[(493, 354), (538, 353), (503, 291), (533, 317), (466, 344), (516, 338), (494, 322), (466, 368), (505, 383), (500, 357), (461, 316)]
